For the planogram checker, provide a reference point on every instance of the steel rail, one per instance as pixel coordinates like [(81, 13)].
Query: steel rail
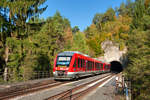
[(80, 94), (70, 93), (29, 89)]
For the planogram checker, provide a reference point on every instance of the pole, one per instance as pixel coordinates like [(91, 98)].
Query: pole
[(126, 89)]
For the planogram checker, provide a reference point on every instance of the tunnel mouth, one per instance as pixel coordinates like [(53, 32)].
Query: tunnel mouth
[(116, 67)]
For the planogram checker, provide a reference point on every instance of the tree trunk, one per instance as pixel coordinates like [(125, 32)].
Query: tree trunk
[(6, 68), (6, 74)]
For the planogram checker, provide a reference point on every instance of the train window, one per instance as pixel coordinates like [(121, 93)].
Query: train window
[(88, 65), (63, 61), (78, 63), (106, 66), (93, 65), (98, 66), (101, 66), (74, 65), (81, 62)]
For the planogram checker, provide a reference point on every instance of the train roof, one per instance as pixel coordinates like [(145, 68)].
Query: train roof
[(101, 60), (70, 53)]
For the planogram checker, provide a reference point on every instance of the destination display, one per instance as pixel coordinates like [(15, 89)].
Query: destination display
[(60, 59)]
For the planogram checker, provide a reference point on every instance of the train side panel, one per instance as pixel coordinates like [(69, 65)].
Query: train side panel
[(78, 66)]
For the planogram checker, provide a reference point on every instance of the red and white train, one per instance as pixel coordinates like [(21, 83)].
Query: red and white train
[(73, 64)]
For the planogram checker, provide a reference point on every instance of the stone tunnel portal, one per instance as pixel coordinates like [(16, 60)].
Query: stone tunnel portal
[(116, 66)]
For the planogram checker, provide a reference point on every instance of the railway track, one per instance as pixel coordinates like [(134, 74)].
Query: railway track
[(77, 92), (29, 88), (74, 92)]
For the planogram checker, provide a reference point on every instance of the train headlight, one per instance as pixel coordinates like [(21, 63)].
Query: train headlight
[(66, 72), (56, 72)]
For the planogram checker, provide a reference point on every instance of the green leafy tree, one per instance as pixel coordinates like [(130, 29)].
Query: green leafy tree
[(14, 20), (51, 39), (79, 43), (138, 13), (138, 70), (91, 31), (97, 20), (75, 29), (109, 15)]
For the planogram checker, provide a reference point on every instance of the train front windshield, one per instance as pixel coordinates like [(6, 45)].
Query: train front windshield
[(63, 61)]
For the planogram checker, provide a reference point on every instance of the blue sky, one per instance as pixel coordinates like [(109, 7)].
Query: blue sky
[(79, 12)]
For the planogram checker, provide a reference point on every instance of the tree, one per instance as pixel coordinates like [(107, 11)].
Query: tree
[(90, 31), (75, 29), (138, 12), (94, 44), (53, 37), (97, 20), (109, 15), (138, 70), (14, 15), (122, 10), (79, 43)]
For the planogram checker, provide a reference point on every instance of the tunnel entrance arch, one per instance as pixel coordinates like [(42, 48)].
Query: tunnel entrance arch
[(116, 66)]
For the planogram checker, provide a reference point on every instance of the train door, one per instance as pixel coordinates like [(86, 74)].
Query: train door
[(86, 65), (81, 69), (79, 65), (75, 65), (101, 67), (83, 65)]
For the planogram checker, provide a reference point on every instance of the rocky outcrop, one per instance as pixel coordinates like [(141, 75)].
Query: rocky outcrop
[(112, 52)]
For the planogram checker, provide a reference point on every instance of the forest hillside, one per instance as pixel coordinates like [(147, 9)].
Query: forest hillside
[(29, 43)]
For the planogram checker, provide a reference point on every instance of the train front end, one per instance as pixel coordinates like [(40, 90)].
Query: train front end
[(62, 65)]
